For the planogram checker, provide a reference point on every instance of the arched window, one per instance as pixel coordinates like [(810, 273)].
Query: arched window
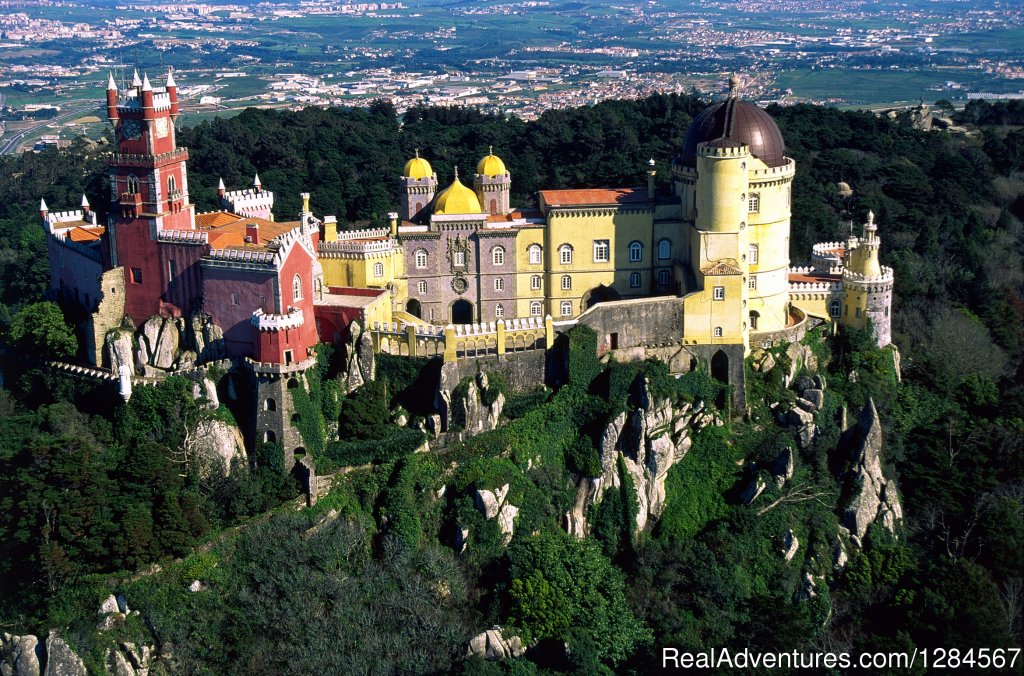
[(422, 287), (718, 332), (296, 288), (754, 316), (566, 282), (172, 186), (499, 310), (132, 185), (499, 284), (535, 308), (634, 280), (421, 258), (601, 251), (566, 309), (663, 277), (664, 250), (318, 288), (378, 269), (636, 252), (535, 282), (752, 282), (752, 256), (234, 299), (535, 254), (498, 255), (833, 308), (269, 437), (565, 254), (269, 405)]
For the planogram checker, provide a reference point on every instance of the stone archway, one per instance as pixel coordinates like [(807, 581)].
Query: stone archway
[(413, 307), (720, 367), (462, 312)]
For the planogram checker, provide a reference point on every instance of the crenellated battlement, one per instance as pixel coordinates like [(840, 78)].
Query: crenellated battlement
[(183, 236), (293, 319)]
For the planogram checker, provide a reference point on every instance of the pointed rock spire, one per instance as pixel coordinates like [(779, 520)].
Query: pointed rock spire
[(170, 78), (146, 87), (111, 85), (136, 80)]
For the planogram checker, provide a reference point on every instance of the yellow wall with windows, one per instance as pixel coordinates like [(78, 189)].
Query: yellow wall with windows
[(702, 313), (525, 295), (358, 270)]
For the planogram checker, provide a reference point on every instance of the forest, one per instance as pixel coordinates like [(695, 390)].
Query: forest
[(228, 576)]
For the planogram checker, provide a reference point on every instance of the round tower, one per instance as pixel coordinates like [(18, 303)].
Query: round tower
[(867, 287), (419, 183), (492, 184)]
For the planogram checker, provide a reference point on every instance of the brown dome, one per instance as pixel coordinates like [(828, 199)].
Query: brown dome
[(741, 122)]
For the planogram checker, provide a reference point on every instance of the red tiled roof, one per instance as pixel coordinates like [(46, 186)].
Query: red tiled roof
[(232, 234), (588, 196), (813, 278), (215, 219), (86, 234)]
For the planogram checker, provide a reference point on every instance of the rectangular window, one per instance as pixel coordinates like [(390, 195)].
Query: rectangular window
[(136, 275), (752, 282), (535, 282), (719, 293), (753, 254), (858, 313), (663, 277), (289, 356), (601, 251), (634, 280), (172, 271), (754, 202)]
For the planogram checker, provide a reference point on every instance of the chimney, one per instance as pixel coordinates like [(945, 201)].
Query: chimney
[(330, 229), (111, 98), (252, 233), (393, 223)]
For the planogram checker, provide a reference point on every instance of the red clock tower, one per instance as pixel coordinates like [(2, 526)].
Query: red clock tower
[(149, 194)]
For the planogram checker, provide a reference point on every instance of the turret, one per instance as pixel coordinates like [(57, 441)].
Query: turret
[(43, 209), (147, 98), (111, 99), (492, 184), (85, 205), (172, 93), (256, 184)]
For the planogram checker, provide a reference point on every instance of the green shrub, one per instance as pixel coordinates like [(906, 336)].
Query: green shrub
[(399, 442)]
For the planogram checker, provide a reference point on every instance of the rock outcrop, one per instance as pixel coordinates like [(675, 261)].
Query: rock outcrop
[(20, 655), (61, 660), (871, 497), (810, 397), (216, 444), (205, 338), (790, 545), (493, 504), (492, 645), (360, 365), (472, 413), (118, 350), (649, 440)]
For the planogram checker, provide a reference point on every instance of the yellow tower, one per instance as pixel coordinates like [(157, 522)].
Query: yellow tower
[(867, 285)]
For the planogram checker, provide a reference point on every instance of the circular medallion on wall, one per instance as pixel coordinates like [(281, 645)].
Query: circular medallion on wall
[(459, 285)]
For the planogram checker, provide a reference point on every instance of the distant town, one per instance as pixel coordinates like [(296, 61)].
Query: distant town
[(511, 58)]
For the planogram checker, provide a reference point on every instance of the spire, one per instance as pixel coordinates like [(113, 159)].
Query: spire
[(85, 201), (650, 163), (42, 206), (417, 153), (456, 172), (490, 150), (170, 78), (111, 85), (220, 184), (256, 182), (146, 87), (136, 81), (871, 217)]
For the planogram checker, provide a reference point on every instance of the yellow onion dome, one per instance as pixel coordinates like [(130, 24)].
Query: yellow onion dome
[(417, 167), (457, 199), (491, 165)]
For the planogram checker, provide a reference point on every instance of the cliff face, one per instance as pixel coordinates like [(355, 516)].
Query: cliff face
[(870, 496), (649, 440)]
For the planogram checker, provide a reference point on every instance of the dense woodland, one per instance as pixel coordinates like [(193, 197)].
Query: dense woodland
[(93, 491)]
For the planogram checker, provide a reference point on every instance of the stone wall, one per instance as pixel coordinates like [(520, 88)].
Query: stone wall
[(108, 315), (645, 322), (523, 371)]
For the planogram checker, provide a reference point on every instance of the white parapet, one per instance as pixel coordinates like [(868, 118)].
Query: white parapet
[(271, 322)]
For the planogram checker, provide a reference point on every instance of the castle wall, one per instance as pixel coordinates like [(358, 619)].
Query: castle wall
[(185, 288), (523, 371), (74, 273), (138, 256), (647, 322), (230, 296)]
